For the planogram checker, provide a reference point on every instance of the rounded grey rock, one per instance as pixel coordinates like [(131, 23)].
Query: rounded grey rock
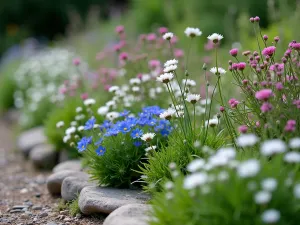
[(54, 181), (131, 214), (105, 200), (43, 156), (74, 165)]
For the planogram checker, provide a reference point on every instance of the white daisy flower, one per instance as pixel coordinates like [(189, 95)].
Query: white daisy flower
[(103, 110), (170, 68), (80, 128), (66, 138), (292, 157), (168, 36), (89, 102), (262, 197), (223, 175), (165, 78), (189, 82), (294, 143), (135, 89), (215, 37), (169, 185), (171, 62), (74, 123), (150, 148), (78, 109), (247, 140), (146, 77), (195, 165), (113, 89), (270, 216), (148, 136), (111, 103), (192, 32), (60, 124), (269, 184), (217, 71), (70, 130), (212, 122), (248, 168), (271, 147), (112, 115), (134, 81), (195, 180), (193, 98), (167, 114), (297, 191)]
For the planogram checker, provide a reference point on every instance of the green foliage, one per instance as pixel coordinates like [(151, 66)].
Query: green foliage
[(156, 170), (74, 207), (62, 205), (117, 166), (65, 113), (7, 86), (229, 201)]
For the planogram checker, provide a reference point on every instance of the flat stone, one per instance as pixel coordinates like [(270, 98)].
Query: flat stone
[(131, 214), (43, 156), (43, 214), (72, 186), (31, 138), (37, 207), (20, 206), (55, 180), (105, 200), (74, 165), (51, 223)]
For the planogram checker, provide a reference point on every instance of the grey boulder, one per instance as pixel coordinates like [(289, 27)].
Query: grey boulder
[(54, 181), (30, 138), (43, 156), (105, 200), (131, 214), (74, 165)]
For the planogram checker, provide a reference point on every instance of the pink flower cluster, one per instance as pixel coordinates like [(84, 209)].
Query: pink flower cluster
[(290, 126), (269, 51), (238, 66), (264, 94), (233, 103)]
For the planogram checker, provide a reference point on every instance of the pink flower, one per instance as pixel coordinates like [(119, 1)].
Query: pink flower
[(163, 30), (266, 107), (235, 66), (154, 63), (63, 90), (222, 109), (76, 61), (290, 126), (257, 124), (234, 52), (243, 129), (264, 94), (119, 29), (241, 66), (233, 103), (245, 53), (123, 56), (151, 37), (84, 96), (256, 19), (296, 45), (178, 53), (174, 40), (279, 86), (269, 51), (276, 39)]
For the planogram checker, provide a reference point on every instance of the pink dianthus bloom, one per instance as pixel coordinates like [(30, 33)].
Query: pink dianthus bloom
[(296, 45), (119, 29), (178, 53), (269, 51), (279, 86), (243, 129), (290, 126), (151, 37), (266, 107), (163, 30), (123, 56), (264, 94), (241, 66), (233, 103), (234, 52)]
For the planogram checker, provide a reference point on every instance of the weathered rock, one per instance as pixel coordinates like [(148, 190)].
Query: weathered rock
[(63, 156), (131, 214), (72, 186), (31, 138), (106, 200), (55, 180), (74, 165), (43, 156)]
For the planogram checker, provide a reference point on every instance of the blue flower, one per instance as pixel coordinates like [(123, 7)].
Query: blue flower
[(124, 113), (100, 150), (165, 132), (137, 133), (156, 110), (99, 142), (131, 121), (90, 124), (137, 143), (83, 143), (112, 132), (105, 125), (124, 127)]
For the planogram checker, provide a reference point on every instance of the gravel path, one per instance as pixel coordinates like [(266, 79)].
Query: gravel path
[(24, 199)]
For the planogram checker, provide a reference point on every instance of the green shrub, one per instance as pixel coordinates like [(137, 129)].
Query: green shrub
[(7, 86), (251, 192), (156, 170)]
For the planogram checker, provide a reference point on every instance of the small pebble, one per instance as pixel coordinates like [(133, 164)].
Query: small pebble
[(38, 195), (20, 206), (24, 216), (36, 207), (43, 214), (24, 191)]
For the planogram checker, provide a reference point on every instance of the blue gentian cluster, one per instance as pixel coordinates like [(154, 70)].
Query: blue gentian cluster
[(148, 120)]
